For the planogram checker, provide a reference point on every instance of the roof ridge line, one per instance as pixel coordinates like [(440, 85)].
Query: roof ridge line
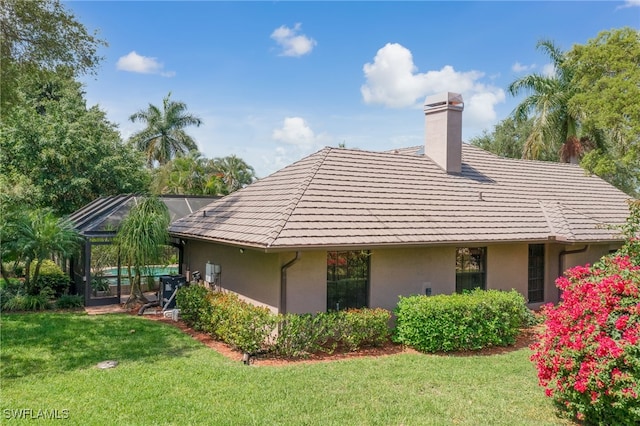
[(295, 199), (546, 216), (564, 227)]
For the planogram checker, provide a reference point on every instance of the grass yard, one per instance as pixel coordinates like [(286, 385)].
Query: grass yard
[(165, 377)]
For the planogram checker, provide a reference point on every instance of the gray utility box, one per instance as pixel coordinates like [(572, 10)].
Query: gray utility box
[(168, 285)]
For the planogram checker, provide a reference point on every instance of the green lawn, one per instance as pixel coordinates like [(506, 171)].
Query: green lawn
[(165, 377)]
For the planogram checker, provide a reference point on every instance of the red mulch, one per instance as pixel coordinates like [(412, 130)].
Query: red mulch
[(526, 338)]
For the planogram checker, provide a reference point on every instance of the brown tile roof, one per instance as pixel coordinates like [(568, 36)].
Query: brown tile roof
[(352, 198)]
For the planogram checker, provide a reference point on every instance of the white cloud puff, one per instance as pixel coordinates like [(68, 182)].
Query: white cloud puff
[(291, 42), (393, 80), (629, 3), (549, 70), (295, 131), (133, 62), (518, 67)]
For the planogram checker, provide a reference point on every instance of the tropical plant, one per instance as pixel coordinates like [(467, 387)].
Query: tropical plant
[(36, 236), (141, 240), (164, 137), (234, 172), (555, 121), (194, 174)]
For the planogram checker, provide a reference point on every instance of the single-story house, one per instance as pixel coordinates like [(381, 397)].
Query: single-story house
[(351, 228)]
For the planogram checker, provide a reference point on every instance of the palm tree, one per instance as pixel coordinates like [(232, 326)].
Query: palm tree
[(164, 137), (555, 125), (141, 240), (37, 236), (234, 172)]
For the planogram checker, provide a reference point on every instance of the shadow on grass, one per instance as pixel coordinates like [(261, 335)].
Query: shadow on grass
[(46, 343)]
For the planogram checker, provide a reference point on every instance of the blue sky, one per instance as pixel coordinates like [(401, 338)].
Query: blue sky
[(275, 81)]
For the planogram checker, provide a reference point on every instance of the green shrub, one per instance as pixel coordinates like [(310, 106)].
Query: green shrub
[(300, 335), (248, 328), (69, 301), (195, 306), (473, 320), (226, 317), (13, 285), (240, 324), (26, 302), (51, 276), (364, 327)]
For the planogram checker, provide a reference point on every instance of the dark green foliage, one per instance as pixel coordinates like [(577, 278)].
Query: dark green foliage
[(69, 301), (508, 139), (473, 320), (58, 153), (13, 284), (42, 35), (51, 276), (306, 334)]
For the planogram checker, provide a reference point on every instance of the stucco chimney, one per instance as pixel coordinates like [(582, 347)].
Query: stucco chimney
[(443, 130)]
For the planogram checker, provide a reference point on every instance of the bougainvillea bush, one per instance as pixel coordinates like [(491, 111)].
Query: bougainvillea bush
[(588, 353)]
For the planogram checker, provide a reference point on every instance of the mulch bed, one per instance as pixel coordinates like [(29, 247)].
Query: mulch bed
[(526, 338)]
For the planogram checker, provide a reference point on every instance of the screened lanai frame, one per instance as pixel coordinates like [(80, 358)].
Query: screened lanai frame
[(98, 224)]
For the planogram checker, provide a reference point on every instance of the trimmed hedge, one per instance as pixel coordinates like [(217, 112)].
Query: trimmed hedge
[(250, 328), (302, 335), (469, 321), (226, 317)]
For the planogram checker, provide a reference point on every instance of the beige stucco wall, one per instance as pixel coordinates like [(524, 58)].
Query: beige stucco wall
[(251, 273), (307, 282), (404, 272), (507, 267), (393, 272)]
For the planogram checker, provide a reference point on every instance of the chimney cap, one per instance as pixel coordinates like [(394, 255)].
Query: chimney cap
[(444, 100)]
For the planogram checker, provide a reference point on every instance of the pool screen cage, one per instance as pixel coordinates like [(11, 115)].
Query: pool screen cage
[(96, 271)]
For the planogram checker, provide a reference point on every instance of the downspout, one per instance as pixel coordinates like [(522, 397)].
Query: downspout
[(283, 282), (561, 257)]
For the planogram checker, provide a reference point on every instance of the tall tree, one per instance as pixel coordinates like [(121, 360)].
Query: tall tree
[(141, 240), (164, 136), (555, 121), (55, 152), (606, 77), (507, 139), (42, 34), (234, 172)]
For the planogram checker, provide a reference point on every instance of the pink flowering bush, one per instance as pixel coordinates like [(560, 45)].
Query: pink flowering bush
[(588, 353)]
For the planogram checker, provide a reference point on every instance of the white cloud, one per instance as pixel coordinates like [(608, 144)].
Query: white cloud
[(549, 70), (292, 43), (393, 80), (133, 62), (295, 131), (518, 67), (629, 3)]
